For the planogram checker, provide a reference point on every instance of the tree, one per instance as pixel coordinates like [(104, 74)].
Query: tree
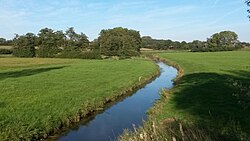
[(225, 40), (75, 44), (24, 46), (49, 42), (2, 41), (248, 4), (120, 42), (76, 41), (198, 46)]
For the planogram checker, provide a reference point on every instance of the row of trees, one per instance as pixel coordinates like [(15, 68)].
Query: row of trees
[(120, 42), (225, 40), (4, 42), (50, 43)]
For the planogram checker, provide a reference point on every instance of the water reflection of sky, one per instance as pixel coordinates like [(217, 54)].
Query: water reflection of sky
[(111, 123)]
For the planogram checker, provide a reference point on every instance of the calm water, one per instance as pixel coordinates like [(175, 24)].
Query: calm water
[(108, 125)]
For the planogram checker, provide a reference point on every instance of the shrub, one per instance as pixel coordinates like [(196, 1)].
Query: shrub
[(95, 54), (47, 51), (5, 51)]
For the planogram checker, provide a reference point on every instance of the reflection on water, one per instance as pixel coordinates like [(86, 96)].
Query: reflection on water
[(108, 125)]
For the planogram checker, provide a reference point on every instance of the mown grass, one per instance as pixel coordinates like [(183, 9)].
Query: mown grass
[(38, 96), (211, 99)]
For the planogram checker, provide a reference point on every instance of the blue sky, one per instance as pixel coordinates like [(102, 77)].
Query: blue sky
[(163, 19)]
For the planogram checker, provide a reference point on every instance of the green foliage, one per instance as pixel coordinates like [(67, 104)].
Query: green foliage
[(5, 42), (5, 51), (224, 40), (2, 41), (77, 46), (91, 54), (198, 46), (24, 46), (120, 42), (156, 44), (38, 99), (49, 42), (78, 41)]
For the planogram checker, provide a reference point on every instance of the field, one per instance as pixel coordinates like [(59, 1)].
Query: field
[(214, 91), (37, 96), (211, 99), (5, 47)]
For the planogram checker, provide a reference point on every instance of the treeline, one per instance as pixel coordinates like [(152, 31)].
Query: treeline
[(48, 43), (223, 41), (4, 42), (121, 42)]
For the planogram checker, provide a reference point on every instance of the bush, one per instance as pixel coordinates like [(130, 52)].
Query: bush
[(47, 51), (81, 55), (5, 51)]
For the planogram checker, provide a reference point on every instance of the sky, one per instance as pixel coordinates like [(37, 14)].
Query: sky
[(181, 20)]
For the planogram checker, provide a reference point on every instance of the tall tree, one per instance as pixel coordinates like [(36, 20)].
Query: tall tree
[(49, 42), (224, 40), (76, 41), (120, 42), (24, 46)]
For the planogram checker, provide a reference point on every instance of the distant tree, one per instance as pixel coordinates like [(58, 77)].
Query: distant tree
[(24, 46), (120, 42), (76, 41), (198, 46), (2, 41), (49, 42), (225, 40), (149, 42), (184, 45), (75, 44)]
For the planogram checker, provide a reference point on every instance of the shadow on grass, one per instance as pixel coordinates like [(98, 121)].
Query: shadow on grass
[(27, 72), (219, 102)]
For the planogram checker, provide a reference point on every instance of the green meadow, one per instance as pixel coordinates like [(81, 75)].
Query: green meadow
[(214, 92), (209, 102), (38, 96)]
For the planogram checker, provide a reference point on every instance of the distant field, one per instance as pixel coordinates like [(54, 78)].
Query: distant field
[(214, 92), (5, 47), (37, 95)]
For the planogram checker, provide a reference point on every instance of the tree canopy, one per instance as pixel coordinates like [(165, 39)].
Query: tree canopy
[(49, 42), (24, 46), (120, 42), (224, 39)]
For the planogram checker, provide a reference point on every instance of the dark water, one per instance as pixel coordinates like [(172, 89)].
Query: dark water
[(108, 125)]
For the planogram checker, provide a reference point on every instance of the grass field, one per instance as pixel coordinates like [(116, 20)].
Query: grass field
[(211, 100), (5, 47), (214, 92), (38, 96)]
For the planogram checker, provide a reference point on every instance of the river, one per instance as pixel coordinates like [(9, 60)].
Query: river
[(109, 124)]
